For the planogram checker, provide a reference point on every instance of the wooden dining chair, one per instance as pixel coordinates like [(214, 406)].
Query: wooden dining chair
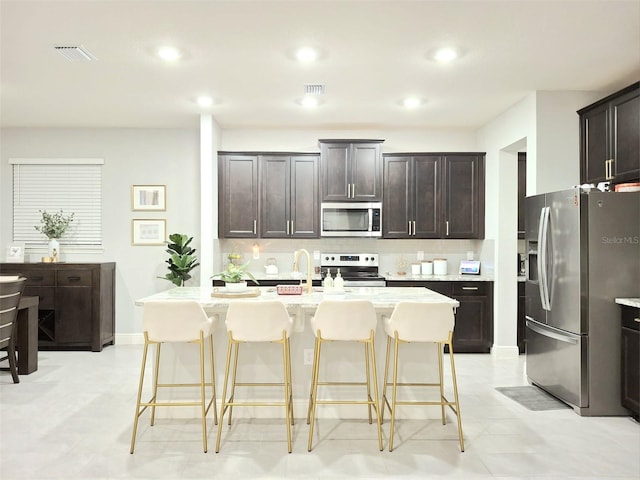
[(11, 288)]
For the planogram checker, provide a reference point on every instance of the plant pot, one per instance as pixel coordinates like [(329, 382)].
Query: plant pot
[(236, 287)]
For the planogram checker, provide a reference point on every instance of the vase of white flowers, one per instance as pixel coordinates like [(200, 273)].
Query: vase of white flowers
[(54, 226)]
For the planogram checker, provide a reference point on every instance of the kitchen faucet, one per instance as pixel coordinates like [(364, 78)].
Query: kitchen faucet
[(295, 267)]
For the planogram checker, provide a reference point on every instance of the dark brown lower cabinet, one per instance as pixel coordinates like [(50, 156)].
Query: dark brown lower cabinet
[(521, 319), (474, 317), (76, 307), (630, 357)]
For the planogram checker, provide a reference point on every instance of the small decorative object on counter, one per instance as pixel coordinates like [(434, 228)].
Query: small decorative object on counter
[(234, 274), (328, 281), (289, 289), (440, 266), (415, 269), (427, 268), (338, 282)]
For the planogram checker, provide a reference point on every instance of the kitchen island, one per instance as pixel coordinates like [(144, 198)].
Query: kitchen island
[(266, 362)]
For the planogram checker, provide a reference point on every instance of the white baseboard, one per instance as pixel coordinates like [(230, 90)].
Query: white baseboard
[(505, 352), (129, 339)]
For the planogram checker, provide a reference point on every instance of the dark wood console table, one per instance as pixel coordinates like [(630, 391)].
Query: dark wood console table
[(27, 335), (76, 309)]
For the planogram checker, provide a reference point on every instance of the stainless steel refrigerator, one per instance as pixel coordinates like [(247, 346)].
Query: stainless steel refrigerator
[(583, 251)]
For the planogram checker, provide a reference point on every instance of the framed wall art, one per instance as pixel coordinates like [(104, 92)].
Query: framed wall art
[(15, 252), (148, 232), (149, 197)]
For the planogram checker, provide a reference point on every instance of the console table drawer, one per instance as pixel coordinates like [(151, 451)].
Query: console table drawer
[(74, 278)]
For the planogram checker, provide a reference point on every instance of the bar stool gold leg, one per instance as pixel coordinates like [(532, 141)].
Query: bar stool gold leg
[(223, 405), (394, 392), (376, 405), (140, 385), (366, 368), (455, 395), (385, 402), (314, 395), (155, 383)]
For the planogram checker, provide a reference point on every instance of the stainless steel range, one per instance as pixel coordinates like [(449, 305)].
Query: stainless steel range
[(357, 269)]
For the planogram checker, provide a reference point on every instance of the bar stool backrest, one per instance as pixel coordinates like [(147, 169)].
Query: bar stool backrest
[(251, 321), (344, 319), (175, 321), (421, 322)]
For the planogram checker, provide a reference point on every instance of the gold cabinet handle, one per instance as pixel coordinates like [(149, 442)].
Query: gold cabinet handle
[(447, 225), (255, 222)]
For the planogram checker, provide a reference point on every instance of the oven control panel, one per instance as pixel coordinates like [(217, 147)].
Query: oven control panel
[(349, 259)]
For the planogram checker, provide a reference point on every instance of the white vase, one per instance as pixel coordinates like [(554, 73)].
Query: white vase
[(236, 287), (54, 249)]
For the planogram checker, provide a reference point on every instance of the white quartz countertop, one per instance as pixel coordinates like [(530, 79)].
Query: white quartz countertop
[(629, 302), (440, 278), (381, 297)]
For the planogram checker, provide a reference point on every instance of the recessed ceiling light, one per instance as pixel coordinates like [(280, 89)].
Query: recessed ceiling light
[(204, 101), (309, 102), (412, 102), (306, 54), (169, 54), (445, 55)]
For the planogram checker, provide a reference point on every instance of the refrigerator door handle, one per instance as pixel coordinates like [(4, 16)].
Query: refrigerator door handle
[(547, 332), (540, 257), (543, 258)]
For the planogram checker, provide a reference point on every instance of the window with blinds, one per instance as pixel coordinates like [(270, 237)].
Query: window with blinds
[(73, 185)]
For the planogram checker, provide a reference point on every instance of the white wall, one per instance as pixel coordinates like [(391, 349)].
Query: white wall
[(132, 156), (545, 125)]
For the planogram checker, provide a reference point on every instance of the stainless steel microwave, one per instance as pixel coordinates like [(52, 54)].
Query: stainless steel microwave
[(351, 219)]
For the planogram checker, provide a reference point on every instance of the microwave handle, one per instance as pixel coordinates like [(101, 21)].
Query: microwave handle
[(371, 219)]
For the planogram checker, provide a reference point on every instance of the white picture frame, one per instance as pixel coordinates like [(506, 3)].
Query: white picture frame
[(15, 252), (148, 231), (148, 198)]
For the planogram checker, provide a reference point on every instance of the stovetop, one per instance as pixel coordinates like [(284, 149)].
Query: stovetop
[(353, 266)]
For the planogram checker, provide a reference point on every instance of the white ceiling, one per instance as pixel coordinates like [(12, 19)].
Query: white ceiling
[(374, 53)]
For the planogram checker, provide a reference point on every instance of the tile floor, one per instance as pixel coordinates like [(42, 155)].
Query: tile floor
[(72, 420)]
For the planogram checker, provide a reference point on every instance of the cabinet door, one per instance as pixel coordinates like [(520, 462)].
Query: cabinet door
[(426, 196), (397, 209), (335, 171), (521, 318), (238, 196), (625, 136), (630, 352), (471, 331), (594, 139), (73, 316), (366, 172), (276, 194), (463, 196), (305, 208)]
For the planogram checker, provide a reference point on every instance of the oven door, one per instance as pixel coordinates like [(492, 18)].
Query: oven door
[(350, 220)]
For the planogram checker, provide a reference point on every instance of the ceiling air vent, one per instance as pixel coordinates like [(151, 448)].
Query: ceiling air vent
[(74, 52), (313, 88)]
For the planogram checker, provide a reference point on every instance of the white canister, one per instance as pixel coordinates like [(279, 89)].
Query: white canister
[(439, 266), (427, 268), (415, 269)]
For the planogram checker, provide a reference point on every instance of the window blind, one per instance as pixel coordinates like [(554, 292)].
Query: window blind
[(73, 185)]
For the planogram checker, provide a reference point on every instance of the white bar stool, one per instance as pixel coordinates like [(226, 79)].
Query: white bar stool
[(345, 321), (249, 322), (420, 322), (176, 321)]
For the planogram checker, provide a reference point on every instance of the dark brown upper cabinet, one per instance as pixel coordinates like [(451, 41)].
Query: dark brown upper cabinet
[(351, 170), (610, 138), (289, 196), (433, 195), (238, 196)]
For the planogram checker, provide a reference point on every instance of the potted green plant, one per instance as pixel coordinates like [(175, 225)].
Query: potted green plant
[(182, 259), (233, 277), (54, 226)]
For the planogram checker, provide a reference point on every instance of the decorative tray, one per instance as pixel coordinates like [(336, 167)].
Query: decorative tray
[(289, 289), (222, 292)]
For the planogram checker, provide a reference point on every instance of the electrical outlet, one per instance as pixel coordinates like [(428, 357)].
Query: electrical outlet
[(308, 356), (420, 255), (316, 254)]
